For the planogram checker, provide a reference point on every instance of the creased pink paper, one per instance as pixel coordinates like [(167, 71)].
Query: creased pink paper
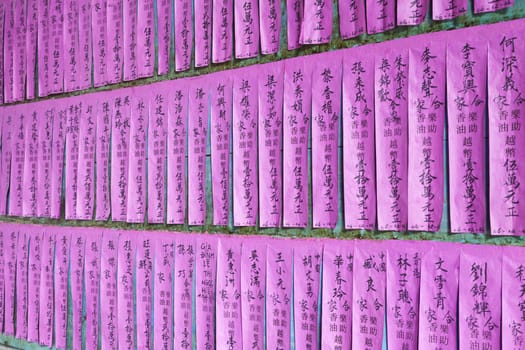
[(157, 138), (120, 142), (279, 268), (177, 121), (197, 136), (306, 288), (60, 286), (337, 306), (270, 121), (380, 15), (246, 17), (9, 38), (480, 297), (108, 290), (205, 277), (86, 158), (426, 114), (438, 301), (326, 112), (102, 152), (391, 128), (44, 47), (71, 45), (114, 59), (245, 194), (294, 20), (220, 138), (100, 45), (46, 313), (185, 250), (92, 284), (57, 157), (45, 160), (137, 157), (10, 252), (2, 31), (228, 300), (56, 62), (358, 143), (481, 6), (163, 307), (202, 19), (7, 143), (74, 114), (19, 53), (184, 34), (270, 26), (30, 195), (403, 279), (19, 119), (352, 20), (125, 292), (513, 300), (3, 233), (506, 109), (129, 14), (22, 256), (466, 96), (448, 9), (85, 45), (411, 12), (78, 242), (145, 38), (144, 292), (164, 35), (369, 293), (35, 262), (31, 46), (316, 27), (296, 130), (222, 31)]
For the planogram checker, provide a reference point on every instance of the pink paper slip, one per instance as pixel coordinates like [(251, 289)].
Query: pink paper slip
[(184, 34), (163, 308), (481, 6), (31, 40), (18, 140), (92, 264), (56, 46), (145, 38), (30, 196), (163, 35), (317, 22), (270, 26), (294, 20), (512, 297), (125, 292), (73, 114), (76, 268), (34, 275), (352, 20), (3, 7), (448, 9), (202, 18), (114, 59), (100, 46), (411, 13), (380, 16), (222, 31), (71, 45), (85, 45), (19, 51), (102, 151), (5, 169), (60, 286), (246, 15), (45, 159), (108, 290), (47, 302), (3, 233), (43, 47), (144, 290), (57, 160), (9, 38), (129, 23), (185, 254), (22, 256)]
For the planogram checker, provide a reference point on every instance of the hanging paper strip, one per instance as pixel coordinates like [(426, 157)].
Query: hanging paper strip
[(108, 290), (56, 63), (129, 13), (47, 305), (369, 295), (10, 253), (296, 129), (21, 283), (202, 22), (137, 158), (184, 34), (60, 286), (145, 38), (337, 306), (103, 130), (358, 143), (19, 53), (19, 118), (125, 293), (86, 158), (480, 297), (205, 274), (163, 308), (506, 110), (185, 249), (222, 31), (270, 26), (157, 138), (294, 20), (411, 12), (114, 59), (57, 160), (326, 111), (92, 285), (85, 45), (270, 121), (98, 29), (221, 119), (466, 91), (426, 112), (380, 16), (278, 293), (35, 263), (352, 21), (78, 241), (481, 6), (43, 47), (3, 233), (164, 35), (448, 9), (198, 134), (5, 162), (2, 24), (316, 27), (30, 195), (144, 286), (513, 298), (439, 296), (31, 46), (246, 17), (45, 159), (71, 45), (9, 33), (74, 114), (245, 195), (306, 283), (120, 140), (391, 108)]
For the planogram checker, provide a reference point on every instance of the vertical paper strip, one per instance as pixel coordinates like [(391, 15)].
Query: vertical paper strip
[(506, 110), (391, 128), (74, 114), (47, 304), (108, 290), (2, 31), (3, 233), (228, 301), (270, 129), (45, 159), (71, 45), (34, 274), (104, 122), (129, 14), (22, 256), (9, 38), (19, 53), (31, 46), (60, 286), (337, 306), (326, 112), (220, 138), (358, 143), (92, 285), (246, 17), (144, 293), (185, 251), (380, 16), (513, 298), (466, 98), (85, 45), (426, 117), (270, 26), (202, 21), (448, 9), (480, 297), (177, 121), (56, 64), (296, 130), (205, 279), (114, 59), (481, 6), (78, 242), (10, 245), (245, 194), (164, 35), (43, 47), (369, 293), (352, 20), (98, 30), (184, 34), (145, 38), (57, 158), (294, 20), (5, 162), (125, 292), (222, 31), (163, 308), (411, 12), (18, 140), (317, 22), (306, 288), (30, 184)]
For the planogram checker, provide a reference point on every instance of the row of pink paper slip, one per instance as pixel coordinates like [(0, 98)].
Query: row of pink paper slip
[(170, 290)]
